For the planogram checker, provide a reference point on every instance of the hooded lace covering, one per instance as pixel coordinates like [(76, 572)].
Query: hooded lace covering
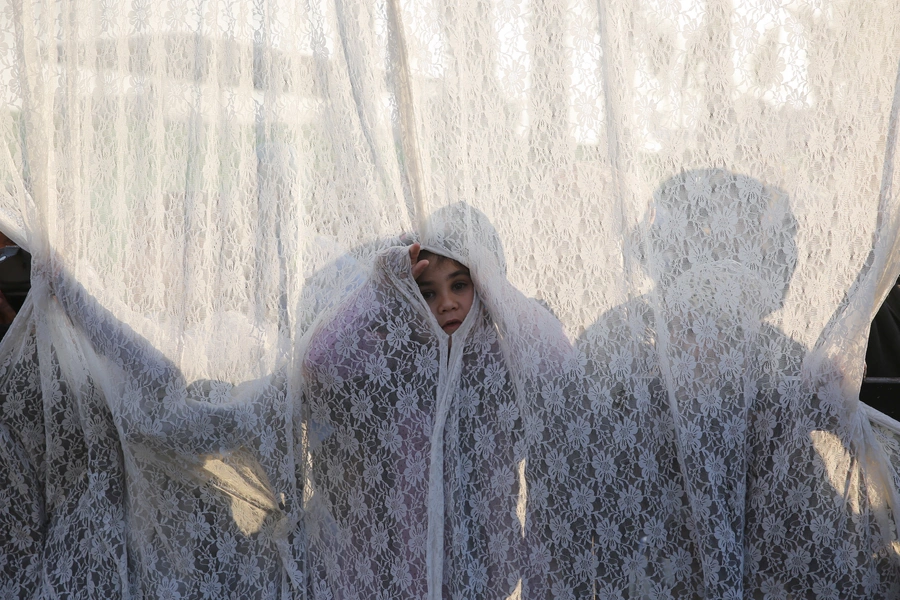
[(679, 218)]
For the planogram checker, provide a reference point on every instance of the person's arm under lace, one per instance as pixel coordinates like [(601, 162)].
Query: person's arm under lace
[(168, 407)]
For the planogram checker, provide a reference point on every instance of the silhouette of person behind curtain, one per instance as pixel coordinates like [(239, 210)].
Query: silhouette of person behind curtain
[(721, 425)]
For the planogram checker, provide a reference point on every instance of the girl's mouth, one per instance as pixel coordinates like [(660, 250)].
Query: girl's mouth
[(451, 325)]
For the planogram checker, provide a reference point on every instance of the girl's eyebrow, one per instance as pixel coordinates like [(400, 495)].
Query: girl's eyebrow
[(462, 271)]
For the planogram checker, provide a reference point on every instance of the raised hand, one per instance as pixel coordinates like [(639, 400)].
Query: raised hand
[(418, 266)]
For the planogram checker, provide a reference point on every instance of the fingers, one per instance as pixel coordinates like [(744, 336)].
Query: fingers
[(418, 266)]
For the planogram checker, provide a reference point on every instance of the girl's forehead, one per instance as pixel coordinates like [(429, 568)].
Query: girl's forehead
[(435, 260), (440, 268)]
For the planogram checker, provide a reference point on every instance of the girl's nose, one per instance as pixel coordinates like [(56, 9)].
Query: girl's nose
[(447, 304)]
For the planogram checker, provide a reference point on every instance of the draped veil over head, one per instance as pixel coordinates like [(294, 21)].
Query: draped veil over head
[(417, 447)]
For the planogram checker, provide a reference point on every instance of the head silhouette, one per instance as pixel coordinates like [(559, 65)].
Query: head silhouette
[(713, 218)]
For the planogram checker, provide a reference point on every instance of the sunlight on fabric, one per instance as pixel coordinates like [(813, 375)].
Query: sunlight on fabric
[(522, 504), (513, 65), (246, 487), (840, 467), (586, 101), (776, 70), (426, 37), (665, 94)]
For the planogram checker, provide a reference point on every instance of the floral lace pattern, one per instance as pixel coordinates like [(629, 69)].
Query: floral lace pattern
[(679, 219)]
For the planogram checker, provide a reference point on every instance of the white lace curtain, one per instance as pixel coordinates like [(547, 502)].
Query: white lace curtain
[(680, 216)]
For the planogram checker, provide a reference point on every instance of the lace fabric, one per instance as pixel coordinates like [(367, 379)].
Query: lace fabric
[(680, 218)]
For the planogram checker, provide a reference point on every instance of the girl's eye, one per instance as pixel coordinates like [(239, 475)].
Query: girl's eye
[(460, 285), (427, 295)]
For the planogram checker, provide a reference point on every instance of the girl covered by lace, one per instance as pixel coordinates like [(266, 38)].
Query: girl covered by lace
[(418, 446)]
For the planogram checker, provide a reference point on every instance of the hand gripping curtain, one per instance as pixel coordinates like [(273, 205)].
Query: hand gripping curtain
[(679, 217)]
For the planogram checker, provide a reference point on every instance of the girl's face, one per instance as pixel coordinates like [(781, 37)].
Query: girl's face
[(447, 288)]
